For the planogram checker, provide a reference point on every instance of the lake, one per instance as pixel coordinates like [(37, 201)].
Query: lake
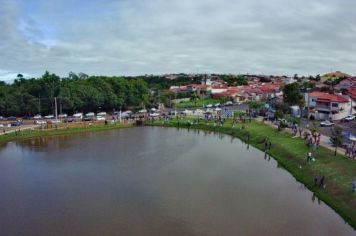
[(153, 181)]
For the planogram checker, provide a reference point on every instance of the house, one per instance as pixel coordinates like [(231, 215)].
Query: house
[(202, 90), (347, 84), (325, 106), (352, 94)]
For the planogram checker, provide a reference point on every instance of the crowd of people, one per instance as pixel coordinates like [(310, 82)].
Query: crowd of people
[(350, 150)]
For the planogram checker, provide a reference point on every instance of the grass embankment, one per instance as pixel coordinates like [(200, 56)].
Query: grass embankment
[(291, 153), (28, 134), (198, 103)]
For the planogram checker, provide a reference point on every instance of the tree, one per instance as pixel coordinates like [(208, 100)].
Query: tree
[(336, 137), (194, 98), (292, 95), (31, 96)]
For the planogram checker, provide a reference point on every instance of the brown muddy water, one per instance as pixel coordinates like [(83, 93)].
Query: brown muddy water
[(153, 181)]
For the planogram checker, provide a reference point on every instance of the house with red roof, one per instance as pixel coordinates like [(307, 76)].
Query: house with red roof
[(347, 84), (325, 106)]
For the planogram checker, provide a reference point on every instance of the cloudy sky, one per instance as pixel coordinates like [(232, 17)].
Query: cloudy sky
[(131, 37)]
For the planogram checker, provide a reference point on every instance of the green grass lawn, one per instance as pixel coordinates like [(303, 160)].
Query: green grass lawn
[(198, 103), (291, 153)]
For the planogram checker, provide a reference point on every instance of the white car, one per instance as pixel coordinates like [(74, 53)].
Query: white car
[(228, 103), (349, 118), (217, 105), (78, 116), (209, 106), (90, 114), (1, 125), (154, 114), (326, 123), (40, 122), (101, 114), (100, 118), (142, 111), (49, 117), (37, 117)]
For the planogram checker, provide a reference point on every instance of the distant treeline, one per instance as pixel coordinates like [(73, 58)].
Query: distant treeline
[(27, 97), (83, 93)]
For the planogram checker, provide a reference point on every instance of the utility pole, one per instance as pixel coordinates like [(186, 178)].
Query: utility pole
[(39, 103), (55, 105), (120, 116)]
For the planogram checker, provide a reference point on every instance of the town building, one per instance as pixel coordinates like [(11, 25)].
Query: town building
[(325, 106)]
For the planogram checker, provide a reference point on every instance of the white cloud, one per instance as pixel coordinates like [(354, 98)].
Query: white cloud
[(161, 36)]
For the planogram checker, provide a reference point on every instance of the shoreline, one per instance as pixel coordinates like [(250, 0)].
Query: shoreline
[(285, 151)]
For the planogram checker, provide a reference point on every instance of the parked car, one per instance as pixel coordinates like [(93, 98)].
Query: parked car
[(173, 113), (100, 118), (11, 118), (326, 123), (101, 114), (49, 117), (217, 105), (349, 118), (228, 103), (154, 114), (209, 106), (54, 121), (142, 111), (40, 122), (61, 116), (15, 123), (78, 116), (1, 118), (37, 117), (1, 125)]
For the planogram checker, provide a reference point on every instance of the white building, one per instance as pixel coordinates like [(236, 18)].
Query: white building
[(325, 106)]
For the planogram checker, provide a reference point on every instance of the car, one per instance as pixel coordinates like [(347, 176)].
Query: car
[(209, 106), (54, 121), (37, 117), (349, 118), (40, 122), (217, 105), (11, 118), (49, 117), (103, 113), (172, 113), (15, 124), (1, 125), (100, 118), (154, 114), (78, 116), (228, 103), (61, 116), (1, 118), (326, 123)]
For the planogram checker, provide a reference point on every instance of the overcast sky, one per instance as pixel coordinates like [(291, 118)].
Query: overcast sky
[(132, 37)]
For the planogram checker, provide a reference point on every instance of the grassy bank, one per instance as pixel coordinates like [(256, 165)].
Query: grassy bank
[(291, 153), (28, 134)]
